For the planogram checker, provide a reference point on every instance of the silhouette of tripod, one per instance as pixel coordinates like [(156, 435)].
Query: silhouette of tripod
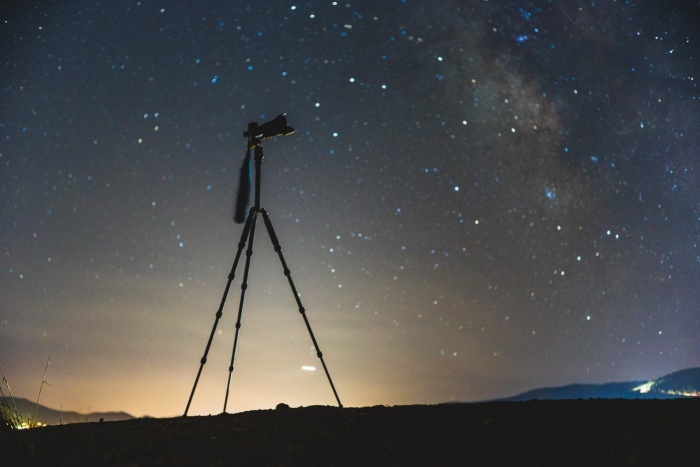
[(255, 135)]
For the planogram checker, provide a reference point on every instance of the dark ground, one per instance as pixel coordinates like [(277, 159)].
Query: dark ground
[(557, 433)]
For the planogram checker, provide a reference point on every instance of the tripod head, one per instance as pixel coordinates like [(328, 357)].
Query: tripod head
[(254, 135), (275, 127)]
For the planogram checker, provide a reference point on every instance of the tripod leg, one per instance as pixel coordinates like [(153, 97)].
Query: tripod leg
[(244, 286), (287, 272), (232, 274)]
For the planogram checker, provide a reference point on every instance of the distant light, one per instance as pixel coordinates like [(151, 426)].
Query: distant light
[(308, 368), (644, 388)]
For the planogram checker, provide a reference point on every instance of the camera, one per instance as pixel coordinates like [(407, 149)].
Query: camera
[(275, 127)]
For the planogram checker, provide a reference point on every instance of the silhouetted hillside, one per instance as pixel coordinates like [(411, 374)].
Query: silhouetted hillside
[(680, 384), (684, 382), (599, 432), (49, 416)]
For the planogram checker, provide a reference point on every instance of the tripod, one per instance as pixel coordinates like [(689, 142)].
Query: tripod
[(248, 235)]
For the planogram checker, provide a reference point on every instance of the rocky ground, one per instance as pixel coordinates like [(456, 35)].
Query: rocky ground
[(561, 433)]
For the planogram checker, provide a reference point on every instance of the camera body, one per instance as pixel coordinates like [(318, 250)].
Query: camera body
[(275, 127)]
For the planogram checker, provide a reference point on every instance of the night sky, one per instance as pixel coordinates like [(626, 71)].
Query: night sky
[(480, 198)]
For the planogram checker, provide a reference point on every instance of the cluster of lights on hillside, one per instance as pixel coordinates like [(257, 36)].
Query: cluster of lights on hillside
[(646, 388)]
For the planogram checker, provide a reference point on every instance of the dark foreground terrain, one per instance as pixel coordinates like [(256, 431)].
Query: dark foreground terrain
[(561, 433)]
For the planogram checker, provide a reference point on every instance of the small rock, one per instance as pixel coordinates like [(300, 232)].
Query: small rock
[(282, 406)]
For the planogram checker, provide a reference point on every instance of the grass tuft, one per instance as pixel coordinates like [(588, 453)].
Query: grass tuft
[(10, 416)]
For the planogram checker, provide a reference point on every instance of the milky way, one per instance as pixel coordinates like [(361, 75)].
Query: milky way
[(480, 198)]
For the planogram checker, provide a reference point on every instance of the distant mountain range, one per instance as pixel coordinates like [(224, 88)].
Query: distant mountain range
[(680, 384), (49, 416)]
